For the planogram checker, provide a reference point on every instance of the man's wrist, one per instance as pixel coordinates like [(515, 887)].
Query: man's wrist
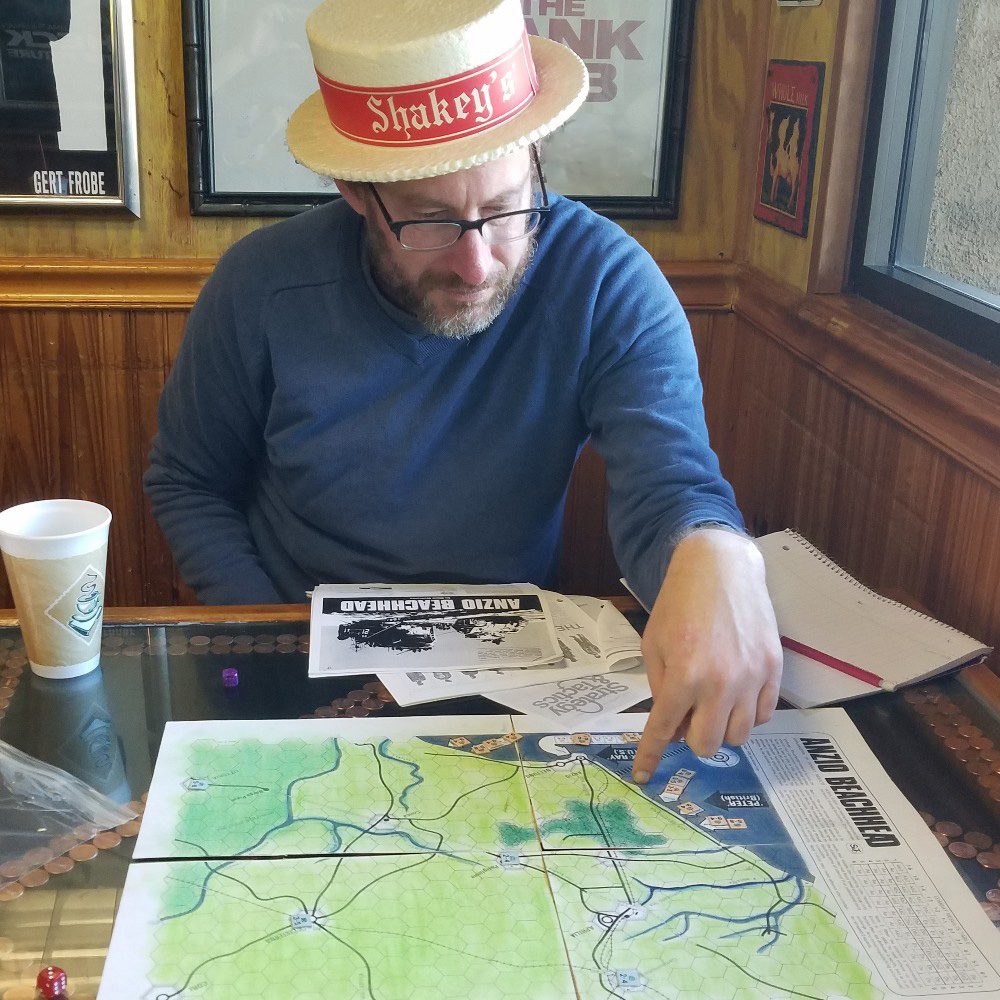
[(699, 525)]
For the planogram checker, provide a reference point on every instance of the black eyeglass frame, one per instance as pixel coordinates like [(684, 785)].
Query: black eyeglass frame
[(464, 225)]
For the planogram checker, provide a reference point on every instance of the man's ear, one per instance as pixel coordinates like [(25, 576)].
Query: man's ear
[(354, 194)]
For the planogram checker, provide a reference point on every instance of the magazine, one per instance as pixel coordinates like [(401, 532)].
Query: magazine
[(387, 628), (594, 638)]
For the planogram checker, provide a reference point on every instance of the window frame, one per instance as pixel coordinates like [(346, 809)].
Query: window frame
[(912, 64)]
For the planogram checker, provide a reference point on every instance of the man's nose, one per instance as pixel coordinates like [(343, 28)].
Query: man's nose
[(471, 258)]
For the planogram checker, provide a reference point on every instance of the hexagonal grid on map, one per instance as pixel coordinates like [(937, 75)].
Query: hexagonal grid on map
[(332, 797), (713, 923), (423, 927)]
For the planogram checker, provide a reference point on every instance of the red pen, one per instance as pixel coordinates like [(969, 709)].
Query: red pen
[(832, 661)]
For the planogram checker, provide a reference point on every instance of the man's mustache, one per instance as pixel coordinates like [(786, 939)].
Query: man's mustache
[(452, 283)]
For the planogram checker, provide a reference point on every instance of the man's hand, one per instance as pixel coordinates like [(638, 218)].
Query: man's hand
[(711, 648)]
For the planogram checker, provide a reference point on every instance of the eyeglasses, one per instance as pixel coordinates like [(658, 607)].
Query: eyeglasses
[(437, 234)]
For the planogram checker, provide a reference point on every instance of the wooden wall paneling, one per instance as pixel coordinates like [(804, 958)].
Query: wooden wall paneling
[(963, 565), (728, 48), (924, 526), (68, 402), (157, 339), (746, 133), (811, 457), (808, 33), (798, 408), (80, 391), (587, 564), (110, 450), (866, 460), (914, 529), (750, 454), (848, 79), (943, 394), (68, 283), (713, 334), (880, 488), (34, 445)]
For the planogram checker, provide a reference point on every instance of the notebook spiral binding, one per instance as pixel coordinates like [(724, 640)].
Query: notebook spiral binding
[(854, 581)]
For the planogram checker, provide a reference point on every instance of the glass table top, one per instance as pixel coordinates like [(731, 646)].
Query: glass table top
[(939, 744)]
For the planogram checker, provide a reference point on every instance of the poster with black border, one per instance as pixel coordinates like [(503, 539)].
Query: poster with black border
[(369, 628), (67, 105), (786, 165)]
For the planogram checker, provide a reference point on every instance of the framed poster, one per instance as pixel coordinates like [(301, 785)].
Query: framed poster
[(793, 93), (621, 152), (67, 105)]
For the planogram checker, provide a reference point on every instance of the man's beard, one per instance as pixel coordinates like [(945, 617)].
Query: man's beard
[(454, 320)]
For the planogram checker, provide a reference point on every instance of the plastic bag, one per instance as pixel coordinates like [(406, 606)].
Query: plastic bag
[(44, 812)]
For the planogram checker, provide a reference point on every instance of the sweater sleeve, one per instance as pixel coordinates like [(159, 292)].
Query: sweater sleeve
[(642, 401), (209, 439)]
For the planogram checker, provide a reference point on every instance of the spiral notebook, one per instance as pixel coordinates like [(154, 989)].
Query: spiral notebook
[(849, 631)]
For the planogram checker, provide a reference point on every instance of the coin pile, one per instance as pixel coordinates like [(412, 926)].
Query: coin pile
[(218, 645), (12, 664), (62, 854), (372, 697), (980, 758), (968, 845), (959, 735)]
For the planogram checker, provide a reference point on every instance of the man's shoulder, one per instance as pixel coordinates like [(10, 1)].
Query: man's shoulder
[(314, 247), (577, 240), (577, 228), (573, 216)]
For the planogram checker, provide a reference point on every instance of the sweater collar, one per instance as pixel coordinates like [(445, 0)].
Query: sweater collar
[(404, 332)]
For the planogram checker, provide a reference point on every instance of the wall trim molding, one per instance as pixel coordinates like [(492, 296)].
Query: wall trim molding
[(703, 286), (948, 397), (74, 283)]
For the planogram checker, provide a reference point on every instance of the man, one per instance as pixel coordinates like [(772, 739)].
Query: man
[(395, 387)]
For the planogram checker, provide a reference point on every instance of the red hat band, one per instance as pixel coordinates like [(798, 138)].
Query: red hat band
[(428, 113)]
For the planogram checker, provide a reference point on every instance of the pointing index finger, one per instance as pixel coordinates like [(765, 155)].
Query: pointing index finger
[(665, 720)]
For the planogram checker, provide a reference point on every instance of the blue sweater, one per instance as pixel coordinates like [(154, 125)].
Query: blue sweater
[(311, 432)]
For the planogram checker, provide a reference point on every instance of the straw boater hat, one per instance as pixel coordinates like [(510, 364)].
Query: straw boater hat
[(417, 88)]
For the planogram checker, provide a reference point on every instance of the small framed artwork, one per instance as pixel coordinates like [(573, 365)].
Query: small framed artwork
[(67, 105), (621, 152), (793, 94)]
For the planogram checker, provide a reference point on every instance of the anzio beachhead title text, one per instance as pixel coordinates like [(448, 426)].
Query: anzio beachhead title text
[(853, 796), (409, 605)]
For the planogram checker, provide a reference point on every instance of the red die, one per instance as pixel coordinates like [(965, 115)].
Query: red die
[(51, 982)]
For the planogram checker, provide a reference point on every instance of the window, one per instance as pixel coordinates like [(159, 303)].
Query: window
[(927, 243)]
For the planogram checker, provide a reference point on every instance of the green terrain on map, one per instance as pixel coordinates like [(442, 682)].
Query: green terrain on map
[(462, 874)]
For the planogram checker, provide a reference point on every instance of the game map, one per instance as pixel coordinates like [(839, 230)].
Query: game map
[(461, 857)]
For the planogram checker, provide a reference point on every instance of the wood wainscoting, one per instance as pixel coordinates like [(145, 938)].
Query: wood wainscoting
[(876, 441), (78, 393)]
